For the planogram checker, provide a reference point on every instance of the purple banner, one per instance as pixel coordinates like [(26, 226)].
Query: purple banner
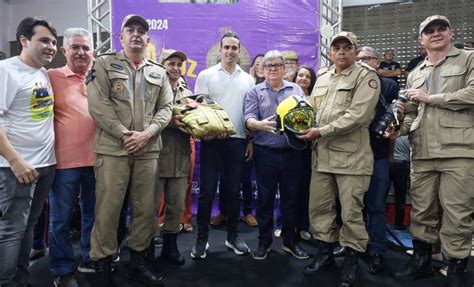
[(196, 28)]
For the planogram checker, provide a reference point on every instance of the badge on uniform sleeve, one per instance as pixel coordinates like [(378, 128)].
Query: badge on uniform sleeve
[(155, 75), (373, 84), (118, 87)]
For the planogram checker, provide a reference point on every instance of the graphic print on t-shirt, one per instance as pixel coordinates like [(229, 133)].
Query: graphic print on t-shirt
[(41, 102)]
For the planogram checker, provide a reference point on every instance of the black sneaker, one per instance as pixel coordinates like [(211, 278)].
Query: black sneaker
[(199, 249), (236, 243), (86, 267), (66, 280), (262, 251), (158, 241), (295, 250)]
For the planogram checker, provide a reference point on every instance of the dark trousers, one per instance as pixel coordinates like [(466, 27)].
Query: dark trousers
[(231, 153), (246, 187), (277, 169), (400, 175), (40, 230), (302, 220)]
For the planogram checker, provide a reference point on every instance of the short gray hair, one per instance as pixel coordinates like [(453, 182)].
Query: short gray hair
[(273, 54), (72, 32), (371, 50)]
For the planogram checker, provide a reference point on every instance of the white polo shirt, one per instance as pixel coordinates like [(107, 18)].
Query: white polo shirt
[(228, 90)]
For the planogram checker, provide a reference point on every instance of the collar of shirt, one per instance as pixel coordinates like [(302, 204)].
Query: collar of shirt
[(121, 56), (69, 73), (453, 52), (266, 86), (237, 69), (344, 72)]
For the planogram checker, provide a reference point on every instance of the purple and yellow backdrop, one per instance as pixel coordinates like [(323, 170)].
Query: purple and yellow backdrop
[(196, 28)]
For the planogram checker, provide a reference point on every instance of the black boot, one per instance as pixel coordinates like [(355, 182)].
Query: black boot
[(419, 265), (140, 272), (150, 253), (457, 274), (103, 275), (323, 259), (349, 268), (170, 250)]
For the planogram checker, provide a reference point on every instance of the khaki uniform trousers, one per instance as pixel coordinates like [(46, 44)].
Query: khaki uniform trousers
[(324, 189), (174, 191), (449, 182), (114, 175)]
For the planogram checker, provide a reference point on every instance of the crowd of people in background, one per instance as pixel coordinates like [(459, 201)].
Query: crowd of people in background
[(115, 143)]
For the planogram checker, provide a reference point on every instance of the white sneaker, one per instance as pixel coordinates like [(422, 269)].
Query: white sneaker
[(277, 232)]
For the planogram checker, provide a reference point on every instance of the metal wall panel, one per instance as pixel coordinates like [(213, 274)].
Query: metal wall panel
[(395, 26)]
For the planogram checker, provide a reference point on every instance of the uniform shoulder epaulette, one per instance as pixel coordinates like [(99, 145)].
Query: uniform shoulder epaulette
[(364, 65), (107, 54), (155, 63), (322, 71)]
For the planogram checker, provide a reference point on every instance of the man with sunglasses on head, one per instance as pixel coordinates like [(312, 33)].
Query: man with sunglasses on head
[(344, 99), (130, 99), (440, 121), (225, 83), (376, 195)]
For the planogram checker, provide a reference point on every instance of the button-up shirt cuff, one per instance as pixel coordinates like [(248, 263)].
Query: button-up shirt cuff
[(436, 100), (118, 130), (326, 131), (153, 129)]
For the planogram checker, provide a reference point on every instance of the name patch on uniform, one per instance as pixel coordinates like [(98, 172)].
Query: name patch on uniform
[(373, 84), (116, 66), (155, 75)]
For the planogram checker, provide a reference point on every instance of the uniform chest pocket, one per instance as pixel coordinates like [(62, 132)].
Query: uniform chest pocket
[(343, 97), (118, 85), (153, 87), (417, 83), (453, 78), (318, 96)]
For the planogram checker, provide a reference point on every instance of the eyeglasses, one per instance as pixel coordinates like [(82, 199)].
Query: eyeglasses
[(365, 59), (270, 67)]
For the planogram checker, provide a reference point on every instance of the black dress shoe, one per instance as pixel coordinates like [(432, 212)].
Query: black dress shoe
[(376, 264), (295, 250)]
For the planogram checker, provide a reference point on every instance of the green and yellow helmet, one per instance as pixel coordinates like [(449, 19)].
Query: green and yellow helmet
[(295, 114)]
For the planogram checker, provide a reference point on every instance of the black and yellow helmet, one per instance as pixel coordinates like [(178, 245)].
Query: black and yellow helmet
[(295, 114)]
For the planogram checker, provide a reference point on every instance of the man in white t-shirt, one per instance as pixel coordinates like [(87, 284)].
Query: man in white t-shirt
[(227, 84), (27, 159)]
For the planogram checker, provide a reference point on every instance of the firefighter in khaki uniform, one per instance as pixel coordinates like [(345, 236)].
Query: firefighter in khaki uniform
[(344, 99), (174, 161), (440, 121), (130, 99)]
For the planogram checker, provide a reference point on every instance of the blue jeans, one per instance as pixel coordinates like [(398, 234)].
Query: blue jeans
[(67, 185), (231, 153), (375, 212), (277, 169), (20, 206)]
